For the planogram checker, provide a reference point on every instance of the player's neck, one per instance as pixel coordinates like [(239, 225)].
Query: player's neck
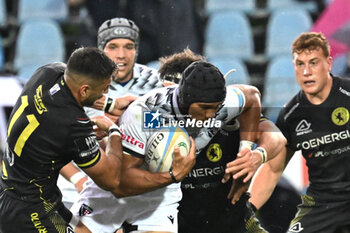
[(74, 89), (124, 80)]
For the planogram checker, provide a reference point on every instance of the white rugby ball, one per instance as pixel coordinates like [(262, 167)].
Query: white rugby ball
[(160, 147)]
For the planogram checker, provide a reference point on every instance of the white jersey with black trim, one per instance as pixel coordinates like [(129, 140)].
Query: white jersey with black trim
[(144, 79), (164, 102)]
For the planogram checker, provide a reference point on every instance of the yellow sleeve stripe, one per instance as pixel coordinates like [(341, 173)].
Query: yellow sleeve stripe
[(90, 162)]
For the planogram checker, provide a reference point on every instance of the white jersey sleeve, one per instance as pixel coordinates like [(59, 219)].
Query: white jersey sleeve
[(232, 106), (230, 110), (134, 138)]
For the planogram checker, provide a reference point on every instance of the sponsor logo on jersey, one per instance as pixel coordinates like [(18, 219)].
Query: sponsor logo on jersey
[(303, 128), (337, 151), (340, 116), (326, 139), (85, 210), (206, 171), (296, 227), (199, 186), (132, 141), (154, 120), (214, 152), (38, 101), (37, 223)]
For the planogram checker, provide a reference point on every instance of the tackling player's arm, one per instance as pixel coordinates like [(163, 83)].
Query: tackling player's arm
[(106, 172), (114, 106), (135, 180), (246, 162), (272, 141), (250, 114), (267, 177)]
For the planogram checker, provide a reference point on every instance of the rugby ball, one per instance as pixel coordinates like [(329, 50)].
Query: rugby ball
[(160, 147)]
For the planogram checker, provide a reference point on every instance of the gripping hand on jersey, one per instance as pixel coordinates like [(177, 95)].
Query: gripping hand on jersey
[(121, 104), (115, 107), (101, 125), (237, 189), (182, 165), (246, 164)]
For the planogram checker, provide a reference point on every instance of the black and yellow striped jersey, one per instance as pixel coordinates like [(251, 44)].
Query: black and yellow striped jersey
[(46, 130)]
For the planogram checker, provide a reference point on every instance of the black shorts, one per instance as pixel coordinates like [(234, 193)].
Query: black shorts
[(22, 216), (238, 218), (325, 217)]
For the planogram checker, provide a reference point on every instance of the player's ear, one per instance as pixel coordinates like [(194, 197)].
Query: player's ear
[(83, 90)]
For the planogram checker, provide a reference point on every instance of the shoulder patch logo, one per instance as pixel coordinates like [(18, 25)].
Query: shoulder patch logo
[(87, 146), (214, 152), (340, 116), (84, 210), (296, 227)]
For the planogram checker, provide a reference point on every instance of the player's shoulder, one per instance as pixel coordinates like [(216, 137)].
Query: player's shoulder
[(144, 72), (342, 84), (241, 91), (234, 97), (47, 74), (55, 68), (146, 78), (157, 96), (151, 101), (293, 105)]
